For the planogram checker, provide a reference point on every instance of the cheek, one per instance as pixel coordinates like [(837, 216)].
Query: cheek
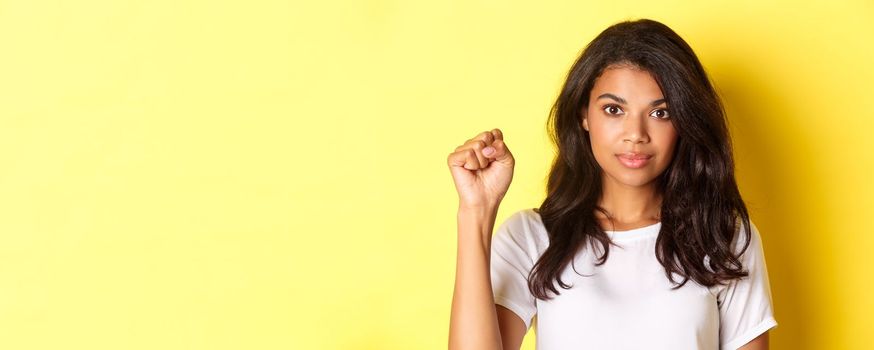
[(599, 137), (603, 129), (602, 145), (667, 141)]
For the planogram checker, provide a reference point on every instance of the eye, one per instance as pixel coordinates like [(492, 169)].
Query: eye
[(660, 113), (612, 109)]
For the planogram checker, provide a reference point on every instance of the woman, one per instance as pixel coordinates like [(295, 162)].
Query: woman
[(643, 240)]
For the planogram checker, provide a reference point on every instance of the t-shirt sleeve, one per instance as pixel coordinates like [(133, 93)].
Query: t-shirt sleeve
[(745, 306), (511, 261)]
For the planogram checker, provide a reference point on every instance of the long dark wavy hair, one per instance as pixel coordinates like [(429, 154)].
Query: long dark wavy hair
[(702, 208)]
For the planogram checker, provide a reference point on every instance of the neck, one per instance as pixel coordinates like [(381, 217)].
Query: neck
[(630, 204)]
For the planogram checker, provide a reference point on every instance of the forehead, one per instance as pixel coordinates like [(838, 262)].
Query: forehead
[(629, 82)]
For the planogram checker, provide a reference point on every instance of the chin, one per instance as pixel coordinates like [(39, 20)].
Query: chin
[(633, 180)]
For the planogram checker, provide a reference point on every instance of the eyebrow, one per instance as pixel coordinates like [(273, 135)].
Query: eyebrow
[(622, 100)]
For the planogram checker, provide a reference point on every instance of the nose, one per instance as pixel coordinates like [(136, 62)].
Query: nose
[(635, 129)]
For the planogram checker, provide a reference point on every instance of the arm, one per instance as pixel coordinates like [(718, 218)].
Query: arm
[(482, 169), (512, 328), (759, 343), (474, 322)]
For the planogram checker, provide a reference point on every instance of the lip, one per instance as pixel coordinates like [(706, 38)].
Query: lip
[(634, 160)]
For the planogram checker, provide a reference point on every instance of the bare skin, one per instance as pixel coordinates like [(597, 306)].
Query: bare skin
[(633, 118), (627, 113), (481, 180)]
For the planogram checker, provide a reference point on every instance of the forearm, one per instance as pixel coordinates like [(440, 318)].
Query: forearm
[(474, 322)]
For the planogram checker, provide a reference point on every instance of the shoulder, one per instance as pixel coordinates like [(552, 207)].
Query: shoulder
[(523, 222), (523, 228), (525, 216), (740, 238), (751, 258)]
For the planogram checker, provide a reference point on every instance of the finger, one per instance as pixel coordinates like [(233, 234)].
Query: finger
[(486, 136), (478, 143), (463, 158), (477, 146), (479, 137), (470, 160), (493, 151), (501, 152)]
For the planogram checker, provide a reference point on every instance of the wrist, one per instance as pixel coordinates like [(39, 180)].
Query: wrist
[(485, 209), (477, 221)]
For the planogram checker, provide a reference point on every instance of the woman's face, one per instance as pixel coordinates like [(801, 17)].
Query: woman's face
[(629, 126)]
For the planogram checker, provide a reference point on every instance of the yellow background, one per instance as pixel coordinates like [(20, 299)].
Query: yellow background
[(272, 175)]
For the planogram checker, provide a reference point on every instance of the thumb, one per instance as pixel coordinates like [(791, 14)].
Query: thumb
[(501, 153)]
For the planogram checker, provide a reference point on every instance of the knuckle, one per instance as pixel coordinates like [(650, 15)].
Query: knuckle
[(452, 156)]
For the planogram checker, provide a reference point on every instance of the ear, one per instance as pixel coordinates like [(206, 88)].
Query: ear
[(583, 112)]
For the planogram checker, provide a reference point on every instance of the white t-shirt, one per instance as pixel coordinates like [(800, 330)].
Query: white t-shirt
[(628, 302)]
